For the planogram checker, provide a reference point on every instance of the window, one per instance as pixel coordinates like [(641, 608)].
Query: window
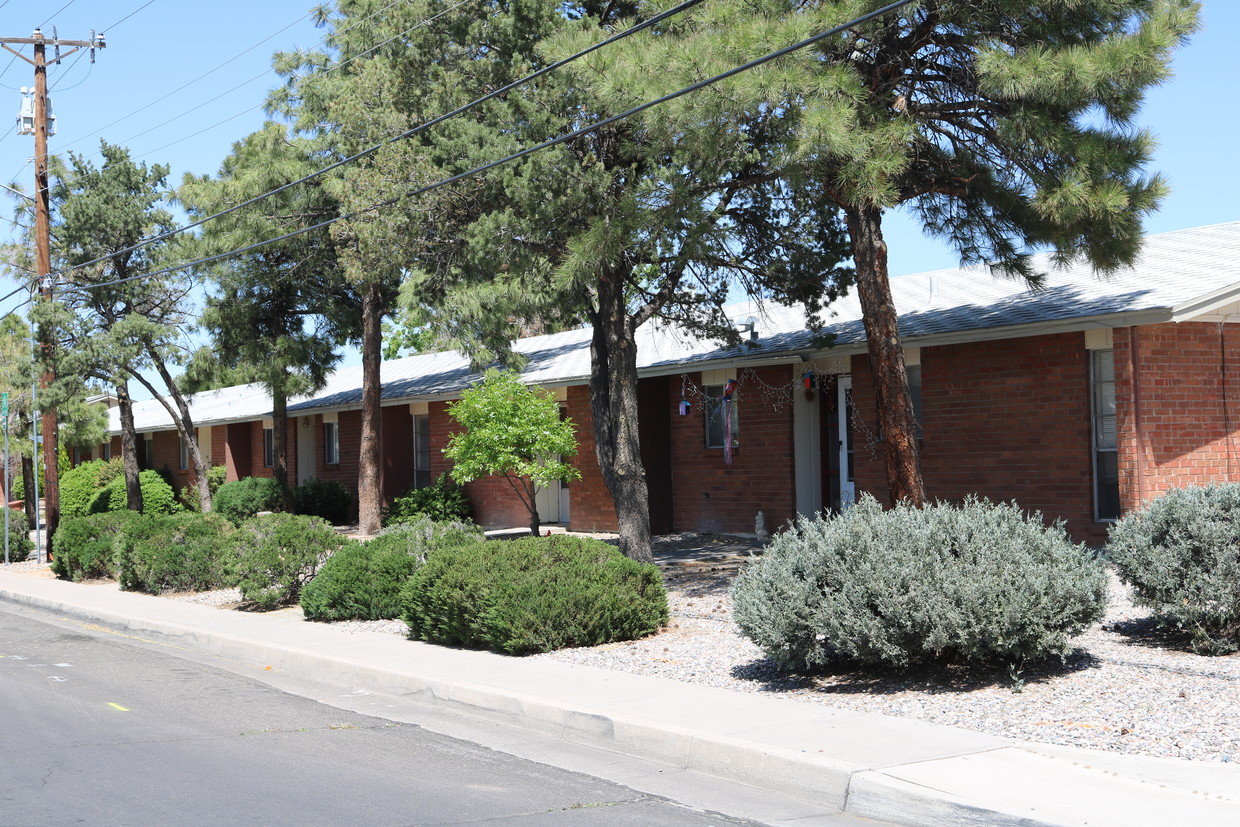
[(148, 453), (184, 454), (716, 424), (1106, 453), (269, 447), (421, 450), (107, 451), (331, 443)]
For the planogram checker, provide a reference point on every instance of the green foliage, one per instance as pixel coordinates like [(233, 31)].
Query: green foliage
[(513, 432), (442, 501), (79, 485), (1180, 554), (20, 544), (974, 583), (363, 580), (275, 555), (328, 499), (536, 594), (173, 552), (217, 475), (157, 495), (86, 547), (241, 499)]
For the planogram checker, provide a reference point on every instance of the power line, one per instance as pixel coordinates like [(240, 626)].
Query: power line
[(408, 133), (58, 11), (752, 64), (71, 179), (126, 17)]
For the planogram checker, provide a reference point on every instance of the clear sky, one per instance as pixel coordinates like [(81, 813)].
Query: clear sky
[(179, 82)]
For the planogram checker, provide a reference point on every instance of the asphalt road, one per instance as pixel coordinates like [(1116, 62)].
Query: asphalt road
[(96, 729)]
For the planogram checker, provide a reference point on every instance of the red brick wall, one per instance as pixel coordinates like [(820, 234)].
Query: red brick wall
[(1008, 419), (590, 504), (714, 497), (1177, 389)]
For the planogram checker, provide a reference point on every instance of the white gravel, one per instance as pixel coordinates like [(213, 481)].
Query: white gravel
[(1127, 689)]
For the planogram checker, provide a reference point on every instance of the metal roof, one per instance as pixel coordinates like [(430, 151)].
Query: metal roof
[(1179, 276)]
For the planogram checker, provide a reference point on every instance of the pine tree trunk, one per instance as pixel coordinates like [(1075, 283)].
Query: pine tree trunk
[(28, 500), (185, 425), (279, 434), (613, 405), (891, 394), (368, 494), (129, 448)]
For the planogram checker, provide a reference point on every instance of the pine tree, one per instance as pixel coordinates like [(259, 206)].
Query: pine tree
[(1007, 127), (277, 314)]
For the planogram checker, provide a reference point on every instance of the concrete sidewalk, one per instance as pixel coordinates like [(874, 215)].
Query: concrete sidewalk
[(863, 765)]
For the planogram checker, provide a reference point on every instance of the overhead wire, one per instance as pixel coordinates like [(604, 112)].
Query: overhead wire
[(58, 11), (701, 84), (71, 179), (126, 17), (638, 27)]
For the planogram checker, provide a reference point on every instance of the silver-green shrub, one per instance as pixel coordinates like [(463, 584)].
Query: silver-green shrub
[(1181, 555), (973, 583)]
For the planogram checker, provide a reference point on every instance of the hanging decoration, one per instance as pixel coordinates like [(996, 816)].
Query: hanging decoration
[(728, 390), (684, 407), (809, 381)]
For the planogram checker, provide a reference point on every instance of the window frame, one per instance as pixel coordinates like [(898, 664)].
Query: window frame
[(331, 443), (421, 450), (1097, 436), (182, 453), (269, 447)]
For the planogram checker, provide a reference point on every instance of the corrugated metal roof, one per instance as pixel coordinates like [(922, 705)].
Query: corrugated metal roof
[(1180, 269)]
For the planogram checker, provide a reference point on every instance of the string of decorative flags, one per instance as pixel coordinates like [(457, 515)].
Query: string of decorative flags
[(774, 397)]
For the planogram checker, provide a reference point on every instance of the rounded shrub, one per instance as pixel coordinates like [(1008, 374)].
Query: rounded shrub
[(157, 495), (328, 499), (20, 544), (973, 583), (1181, 556), (536, 594), (173, 552), (443, 501), (275, 555), (241, 499), (363, 581), (80, 484), (86, 547)]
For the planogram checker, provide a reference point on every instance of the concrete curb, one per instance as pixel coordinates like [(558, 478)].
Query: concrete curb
[(871, 766)]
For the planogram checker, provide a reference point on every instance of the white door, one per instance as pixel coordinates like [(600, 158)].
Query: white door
[(305, 449), (844, 405), (548, 502)]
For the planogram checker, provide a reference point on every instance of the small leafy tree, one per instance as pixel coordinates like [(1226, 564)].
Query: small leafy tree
[(513, 432)]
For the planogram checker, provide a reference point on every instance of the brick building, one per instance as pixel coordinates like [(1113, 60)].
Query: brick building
[(1079, 400)]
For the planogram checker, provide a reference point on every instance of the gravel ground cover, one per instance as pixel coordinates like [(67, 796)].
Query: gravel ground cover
[(1128, 688)]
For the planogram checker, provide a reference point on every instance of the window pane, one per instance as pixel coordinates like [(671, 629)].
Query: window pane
[(1106, 469), (715, 424), (1106, 457)]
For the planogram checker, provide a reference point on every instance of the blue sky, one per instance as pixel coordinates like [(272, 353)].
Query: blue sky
[(179, 82)]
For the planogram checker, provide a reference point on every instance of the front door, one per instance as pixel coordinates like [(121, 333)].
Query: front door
[(844, 406)]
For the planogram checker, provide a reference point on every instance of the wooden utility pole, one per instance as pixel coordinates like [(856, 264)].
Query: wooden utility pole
[(43, 244)]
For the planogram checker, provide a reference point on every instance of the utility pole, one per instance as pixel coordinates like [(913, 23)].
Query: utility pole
[(43, 245)]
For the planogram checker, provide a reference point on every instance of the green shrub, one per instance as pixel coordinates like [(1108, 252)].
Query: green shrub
[(80, 485), (157, 495), (971, 583), (241, 499), (217, 475), (533, 595), (173, 552), (1181, 556), (20, 544), (275, 555), (442, 501), (328, 499), (363, 581), (86, 547)]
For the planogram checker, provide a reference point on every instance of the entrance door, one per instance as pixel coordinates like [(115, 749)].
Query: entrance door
[(848, 490), (305, 449), (547, 500)]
